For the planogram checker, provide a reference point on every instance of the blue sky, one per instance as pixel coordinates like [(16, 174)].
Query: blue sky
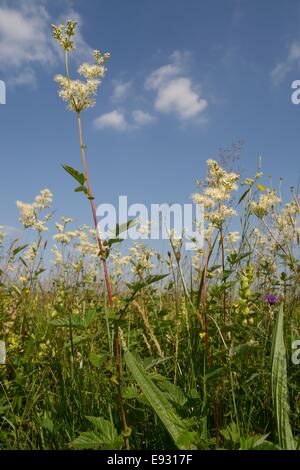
[(185, 78)]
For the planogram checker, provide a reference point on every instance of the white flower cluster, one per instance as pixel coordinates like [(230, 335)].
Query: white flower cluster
[(31, 252), (2, 235), (79, 94), (57, 256), (64, 34), (29, 212), (141, 259), (265, 204), (219, 186), (233, 237), (119, 263), (87, 241), (63, 236)]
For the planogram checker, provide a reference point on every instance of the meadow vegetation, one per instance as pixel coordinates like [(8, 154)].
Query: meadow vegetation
[(107, 349)]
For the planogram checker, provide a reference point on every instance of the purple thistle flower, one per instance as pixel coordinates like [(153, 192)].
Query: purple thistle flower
[(272, 299)]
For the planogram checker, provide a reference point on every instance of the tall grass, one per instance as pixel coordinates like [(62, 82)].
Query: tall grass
[(142, 351)]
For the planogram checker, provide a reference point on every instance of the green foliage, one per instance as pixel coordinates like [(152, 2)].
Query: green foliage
[(104, 437), (187, 362), (280, 386), (79, 177), (183, 437)]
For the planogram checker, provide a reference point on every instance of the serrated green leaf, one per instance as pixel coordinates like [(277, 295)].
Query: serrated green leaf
[(87, 440), (78, 176), (81, 189), (105, 436), (160, 404), (97, 360)]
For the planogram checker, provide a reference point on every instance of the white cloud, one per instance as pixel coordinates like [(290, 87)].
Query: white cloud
[(177, 96), (161, 75), (121, 90), (10, 231), (114, 120), (26, 40), (281, 69), (141, 118), (175, 91), (25, 36), (25, 77)]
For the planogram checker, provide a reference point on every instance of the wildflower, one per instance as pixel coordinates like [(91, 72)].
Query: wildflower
[(119, 263), (265, 204), (272, 299), (40, 226), (31, 252), (27, 213), (220, 214), (63, 34), (79, 94), (203, 200), (233, 237), (219, 186), (64, 238), (58, 258), (141, 259), (43, 200), (85, 245), (59, 227), (66, 220), (2, 235), (248, 182)]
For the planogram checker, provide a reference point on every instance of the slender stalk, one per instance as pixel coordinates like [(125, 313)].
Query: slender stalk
[(107, 282), (223, 271), (93, 208)]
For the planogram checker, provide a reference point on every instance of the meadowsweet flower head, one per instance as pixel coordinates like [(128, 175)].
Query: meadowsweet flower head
[(265, 203), (218, 216), (66, 220), (248, 182), (2, 235), (57, 256), (64, 34), (31, 252), (218, 188), (233, 237), (43, 200), (40, 226), (27, 213), (79, 94)]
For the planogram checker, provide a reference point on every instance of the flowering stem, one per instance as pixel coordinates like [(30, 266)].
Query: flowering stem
[(107, 282), (92, 204), (223, 271)]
